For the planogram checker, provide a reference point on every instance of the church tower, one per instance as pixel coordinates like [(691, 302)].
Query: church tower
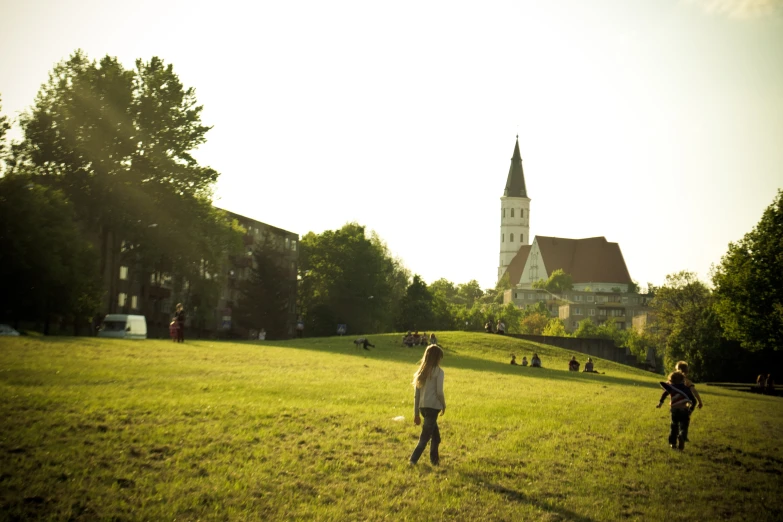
[(514, 213)]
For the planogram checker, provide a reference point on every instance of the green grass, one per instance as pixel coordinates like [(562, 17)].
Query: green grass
[(304, 430)]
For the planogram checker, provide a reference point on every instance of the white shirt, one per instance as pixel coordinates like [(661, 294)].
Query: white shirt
[(431, 394)]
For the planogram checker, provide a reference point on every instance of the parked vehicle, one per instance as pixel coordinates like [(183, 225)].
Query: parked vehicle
[(124, 326), (7, 330)]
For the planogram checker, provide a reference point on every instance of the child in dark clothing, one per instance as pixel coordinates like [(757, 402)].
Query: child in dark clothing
[(682, 404)]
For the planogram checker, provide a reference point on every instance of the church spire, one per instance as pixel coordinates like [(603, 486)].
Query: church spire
[(515, 184)]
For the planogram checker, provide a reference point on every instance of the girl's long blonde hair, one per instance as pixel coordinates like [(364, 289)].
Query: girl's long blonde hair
[(432, 357)]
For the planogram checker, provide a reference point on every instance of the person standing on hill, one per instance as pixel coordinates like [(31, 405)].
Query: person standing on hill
[(179, 316), (299, 327), (429, 401), (500, 327)]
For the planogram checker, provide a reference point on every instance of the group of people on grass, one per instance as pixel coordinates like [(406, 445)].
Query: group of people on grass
[(500, 327), (535, 361), (765, 384), (416, 339), (429, 401)]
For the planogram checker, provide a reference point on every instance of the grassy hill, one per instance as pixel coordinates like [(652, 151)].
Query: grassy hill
[(305, 429)]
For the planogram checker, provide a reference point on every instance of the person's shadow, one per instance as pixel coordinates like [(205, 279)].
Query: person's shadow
[(513, 495)]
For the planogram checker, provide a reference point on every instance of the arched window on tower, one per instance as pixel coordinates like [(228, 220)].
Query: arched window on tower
[(504, 212), (521, 236), (502, 238), (512, 215), (521, 212), (511, 238)]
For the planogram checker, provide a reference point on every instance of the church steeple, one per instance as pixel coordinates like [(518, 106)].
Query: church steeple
[(514, 214), (515, 184)]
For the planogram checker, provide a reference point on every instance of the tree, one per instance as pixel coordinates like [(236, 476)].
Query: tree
[(264, 299), (586, 329), (347, 278), (555, 328), (534, 324), (416, 309), (749, 284), (686, 325), (118, 143), (5, 126), (470, 292), (558, 282), (47, 267)]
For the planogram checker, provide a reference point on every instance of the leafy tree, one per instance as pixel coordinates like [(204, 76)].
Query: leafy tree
[(512, 317), (470, 292), (495, 295), (555, 328), (586, 329), (264, 299), (534, 323), (686, 326), (557, 283), (347, 278), (416, 310), (118, 143), (47, 267), (5, 126), (444, 288), (749, 284)]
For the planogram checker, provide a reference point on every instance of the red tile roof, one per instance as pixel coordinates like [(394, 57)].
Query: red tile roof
[(589, 260)]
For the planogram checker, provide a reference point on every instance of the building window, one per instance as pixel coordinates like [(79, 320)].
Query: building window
[(121, 298), (625, 299), (123, 273), (591, 312), (602, 312), (502, 238), (504, 212), (511, 237), (520, 238), (590, 298), (577, 310), (134, 302), (577, 298), (521, 212), (293, 244), (531, 296), (512, 212), (515, 295)]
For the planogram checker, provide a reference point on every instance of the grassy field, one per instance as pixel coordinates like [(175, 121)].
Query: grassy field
[(96, 429)]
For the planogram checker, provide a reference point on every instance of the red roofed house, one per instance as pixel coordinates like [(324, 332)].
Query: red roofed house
[(602, 286)]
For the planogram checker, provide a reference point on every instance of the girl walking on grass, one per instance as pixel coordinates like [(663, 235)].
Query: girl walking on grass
[(428, 400)]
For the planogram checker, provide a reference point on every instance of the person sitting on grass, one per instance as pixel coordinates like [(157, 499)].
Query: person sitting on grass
[(364, 342), (573, 365), (433, 339), (589, 367), (524, 361), (535, 362), (407, 340), (514, 360), (682, 404), (488, 327), (416, 338), (761, 382)]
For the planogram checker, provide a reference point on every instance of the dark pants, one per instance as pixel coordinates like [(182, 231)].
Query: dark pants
[(181, 333), (429, 430), (681, 419)]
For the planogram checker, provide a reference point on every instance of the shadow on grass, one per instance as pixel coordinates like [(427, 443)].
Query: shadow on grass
[(513, 495)]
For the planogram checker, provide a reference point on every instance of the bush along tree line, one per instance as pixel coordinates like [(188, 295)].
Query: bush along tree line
[(104, 177)]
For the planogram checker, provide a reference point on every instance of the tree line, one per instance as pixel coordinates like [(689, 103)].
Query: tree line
[(104, 176)]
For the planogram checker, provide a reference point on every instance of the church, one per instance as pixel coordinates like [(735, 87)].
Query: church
[(602, 286)]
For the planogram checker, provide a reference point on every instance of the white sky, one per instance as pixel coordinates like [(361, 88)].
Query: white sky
[(657, 124)]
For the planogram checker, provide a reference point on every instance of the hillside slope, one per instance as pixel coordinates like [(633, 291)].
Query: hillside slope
[(306, 429)]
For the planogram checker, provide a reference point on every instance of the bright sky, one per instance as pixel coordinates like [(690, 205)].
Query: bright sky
[(657, 124)]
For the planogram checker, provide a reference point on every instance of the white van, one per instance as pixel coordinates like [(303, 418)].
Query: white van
[(124, 326)]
